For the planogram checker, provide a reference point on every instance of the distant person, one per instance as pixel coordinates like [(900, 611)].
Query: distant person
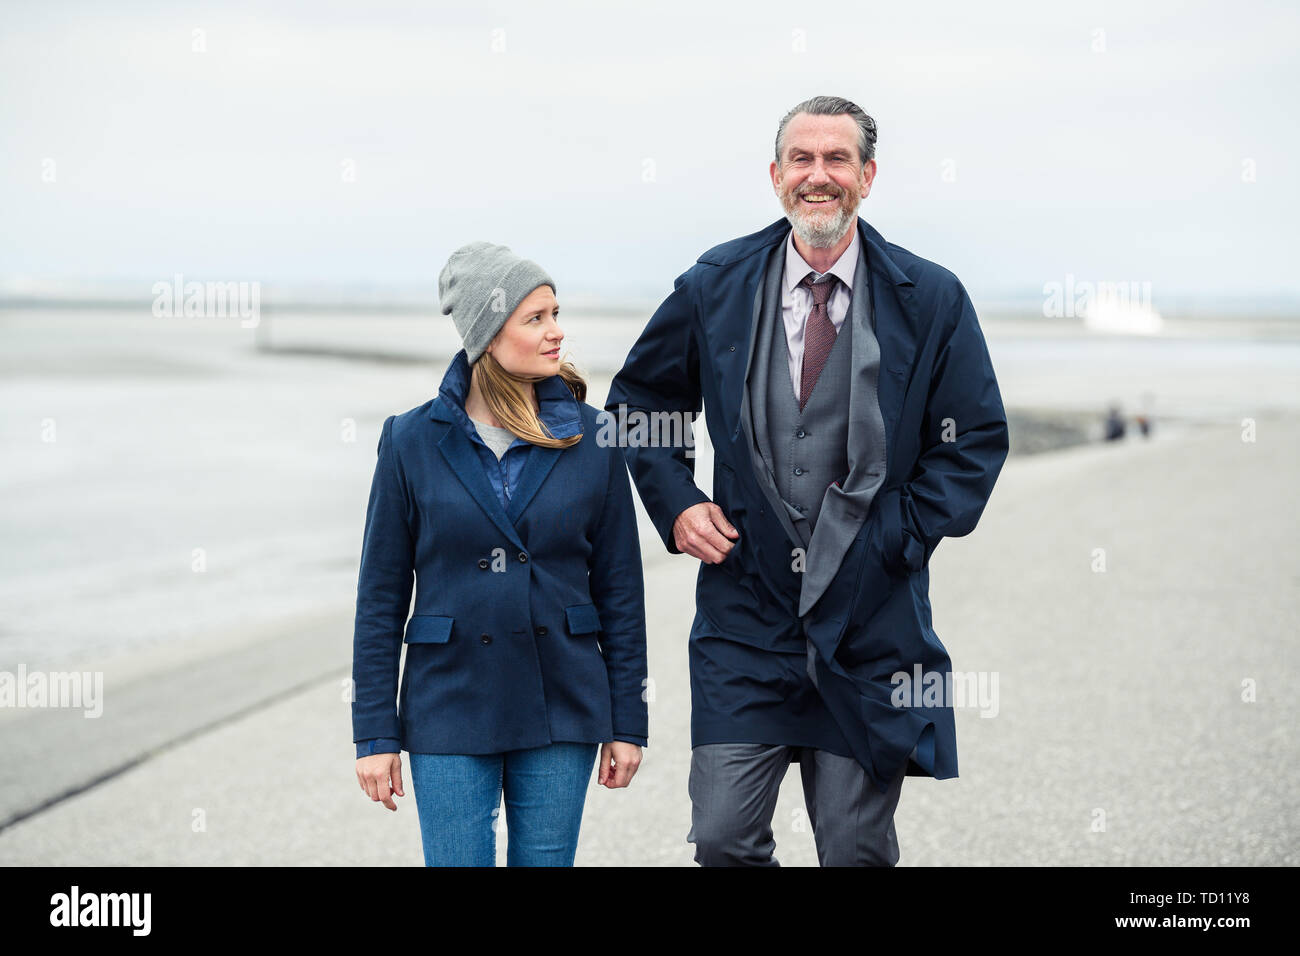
[(855, 421), (1143, 418), (1114, 424), (526, 652)]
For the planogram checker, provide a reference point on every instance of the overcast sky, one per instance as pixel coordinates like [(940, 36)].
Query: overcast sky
[(1018, 142)]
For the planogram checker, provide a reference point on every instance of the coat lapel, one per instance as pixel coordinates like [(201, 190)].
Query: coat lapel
[(892, 315), (467, 468), (746, 412), (560, 413), (562, 417), (844, 506), (537, 466), (753, 420), (892, 321), (733, 370)]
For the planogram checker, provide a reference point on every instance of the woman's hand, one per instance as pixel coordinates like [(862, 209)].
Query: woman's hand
[(373, 774), (618, 763)]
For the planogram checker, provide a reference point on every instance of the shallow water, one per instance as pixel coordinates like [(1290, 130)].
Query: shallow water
[(163, 479)]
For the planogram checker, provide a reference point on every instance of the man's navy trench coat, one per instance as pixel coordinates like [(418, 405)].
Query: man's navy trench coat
[(873, 621)]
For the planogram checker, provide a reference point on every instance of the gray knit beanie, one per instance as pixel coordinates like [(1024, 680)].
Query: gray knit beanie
[(480, 286)]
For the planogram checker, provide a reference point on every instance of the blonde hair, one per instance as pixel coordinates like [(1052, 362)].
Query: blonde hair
[(505, 395)]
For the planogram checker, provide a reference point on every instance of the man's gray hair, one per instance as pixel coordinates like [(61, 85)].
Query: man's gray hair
[(834, 106)]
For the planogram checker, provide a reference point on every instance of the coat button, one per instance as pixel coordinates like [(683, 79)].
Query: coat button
[(485, 638), (483, 563), (799, 434), (798, 471), (523, 558), (541, 631)]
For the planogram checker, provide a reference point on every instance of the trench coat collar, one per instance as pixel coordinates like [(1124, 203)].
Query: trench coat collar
[(559, 412), (878, 258), (740, 280), (744, 263)]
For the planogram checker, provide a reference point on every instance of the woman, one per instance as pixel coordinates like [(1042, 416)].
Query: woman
[(526, 649)]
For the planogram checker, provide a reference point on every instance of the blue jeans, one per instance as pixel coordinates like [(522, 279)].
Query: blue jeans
[(458, 797)]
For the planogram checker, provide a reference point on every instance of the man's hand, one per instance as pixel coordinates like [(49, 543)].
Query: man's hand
[(699, 532), (374, 774)]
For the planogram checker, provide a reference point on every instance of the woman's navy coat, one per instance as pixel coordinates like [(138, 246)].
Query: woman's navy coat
[(945, 443), (529, 619)]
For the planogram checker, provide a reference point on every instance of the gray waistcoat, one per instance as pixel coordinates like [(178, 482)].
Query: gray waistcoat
[(835, 515), (807, 450)]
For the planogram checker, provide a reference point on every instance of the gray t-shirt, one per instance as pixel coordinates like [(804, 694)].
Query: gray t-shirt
[(498, 439)]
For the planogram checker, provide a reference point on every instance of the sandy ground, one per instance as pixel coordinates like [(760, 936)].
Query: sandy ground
[(1121, 735)]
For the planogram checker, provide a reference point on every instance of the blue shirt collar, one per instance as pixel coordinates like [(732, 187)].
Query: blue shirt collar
[(557, 407)]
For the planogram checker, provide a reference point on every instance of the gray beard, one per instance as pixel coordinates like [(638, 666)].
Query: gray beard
[(824, 233)]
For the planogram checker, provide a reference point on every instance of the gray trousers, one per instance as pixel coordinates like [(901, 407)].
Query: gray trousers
[(734, 787)]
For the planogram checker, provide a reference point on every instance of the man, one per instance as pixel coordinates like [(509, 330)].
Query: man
[(856, 421)]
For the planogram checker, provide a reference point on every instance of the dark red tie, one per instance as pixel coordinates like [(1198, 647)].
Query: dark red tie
[(818, 336)]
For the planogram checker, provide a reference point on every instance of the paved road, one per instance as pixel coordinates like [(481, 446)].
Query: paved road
[(1121, 734)]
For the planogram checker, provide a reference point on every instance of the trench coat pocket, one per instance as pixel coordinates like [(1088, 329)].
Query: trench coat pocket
[(428, 629), (903, 552), (891, 530), (582, 619)]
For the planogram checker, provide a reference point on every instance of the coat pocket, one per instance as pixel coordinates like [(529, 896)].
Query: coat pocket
[(728, 497), (428, 629), (582, 619), (903, 552)]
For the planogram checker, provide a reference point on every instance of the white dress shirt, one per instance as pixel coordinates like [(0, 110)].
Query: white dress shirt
[(796, 300)]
